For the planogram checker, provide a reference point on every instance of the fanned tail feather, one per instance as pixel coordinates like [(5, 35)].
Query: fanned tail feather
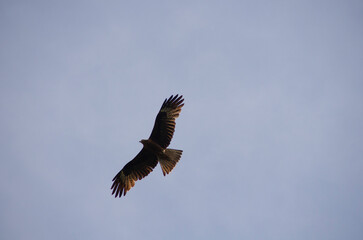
[(172, 157)]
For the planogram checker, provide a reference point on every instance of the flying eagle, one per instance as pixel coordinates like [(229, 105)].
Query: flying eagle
[(154, 149)]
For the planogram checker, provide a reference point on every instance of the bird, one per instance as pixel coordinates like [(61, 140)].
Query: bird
[(155, 149)]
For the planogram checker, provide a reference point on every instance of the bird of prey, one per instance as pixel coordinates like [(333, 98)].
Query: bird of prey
[(154, 149)]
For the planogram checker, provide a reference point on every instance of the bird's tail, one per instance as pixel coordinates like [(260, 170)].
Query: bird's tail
[(169, 160)]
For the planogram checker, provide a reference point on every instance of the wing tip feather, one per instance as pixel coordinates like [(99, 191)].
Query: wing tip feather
[(173, 101)]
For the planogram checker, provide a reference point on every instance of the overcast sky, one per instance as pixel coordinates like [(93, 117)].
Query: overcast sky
[(272, 127)]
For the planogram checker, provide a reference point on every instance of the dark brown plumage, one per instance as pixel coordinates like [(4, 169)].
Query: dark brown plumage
[(154, 149)]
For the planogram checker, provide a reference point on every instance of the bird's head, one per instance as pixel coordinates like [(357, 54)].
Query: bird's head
[(143, 141)]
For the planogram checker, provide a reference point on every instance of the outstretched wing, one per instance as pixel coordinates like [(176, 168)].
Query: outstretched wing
[(165, 121), (136, 169)]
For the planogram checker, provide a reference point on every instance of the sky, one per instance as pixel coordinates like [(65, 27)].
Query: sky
[(271, 130)]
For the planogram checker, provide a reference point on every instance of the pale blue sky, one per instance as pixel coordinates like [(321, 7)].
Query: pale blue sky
[(272, 127)]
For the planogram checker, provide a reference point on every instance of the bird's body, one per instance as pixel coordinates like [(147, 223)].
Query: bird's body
[(154, 149), (152, 146)]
